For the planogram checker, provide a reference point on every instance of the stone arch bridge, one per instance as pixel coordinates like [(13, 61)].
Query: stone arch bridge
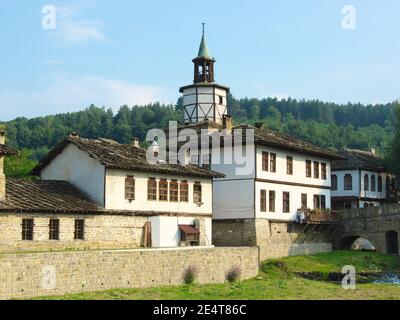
[(379, 225)]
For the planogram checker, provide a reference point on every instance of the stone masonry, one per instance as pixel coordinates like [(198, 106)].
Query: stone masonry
[(56, 273)]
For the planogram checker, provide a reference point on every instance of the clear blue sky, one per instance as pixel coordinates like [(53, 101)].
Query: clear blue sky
[(126, 51)]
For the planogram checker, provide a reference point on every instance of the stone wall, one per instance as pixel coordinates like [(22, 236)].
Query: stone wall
[(56, 273), (274, 239), (101, 231)]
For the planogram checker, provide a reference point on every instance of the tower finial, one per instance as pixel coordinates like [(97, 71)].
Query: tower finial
[(203, 26)]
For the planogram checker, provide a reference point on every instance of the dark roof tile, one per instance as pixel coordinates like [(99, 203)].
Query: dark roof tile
[(360, 159)]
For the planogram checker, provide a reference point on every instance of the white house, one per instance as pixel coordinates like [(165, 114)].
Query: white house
[(360, 180), (102, 194), (268, 180)]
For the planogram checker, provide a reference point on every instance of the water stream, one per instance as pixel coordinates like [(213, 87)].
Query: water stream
[(389, 278)]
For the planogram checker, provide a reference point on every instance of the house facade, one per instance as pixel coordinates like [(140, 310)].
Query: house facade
[(102, 194), (361, 180), (271, 180)]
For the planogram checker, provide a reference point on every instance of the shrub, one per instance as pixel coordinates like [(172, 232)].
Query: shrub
[(190, 275), (234, 274)]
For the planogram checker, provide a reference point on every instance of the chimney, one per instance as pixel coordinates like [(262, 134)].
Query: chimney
[(227, 122), (136, 142), (155, 148), (2, 176), (259, 125)]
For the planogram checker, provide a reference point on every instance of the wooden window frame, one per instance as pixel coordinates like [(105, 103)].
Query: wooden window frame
[(184, 191), (79, 229), (334, 186), (380, 184), (263, 200), (285, 202), (27, 229), (272, 162), (348, 182), (197, 193), (308, 168), (130, 188), (152, 189), (322, 201), (316, 170), (289, 165), (316, 202), (265, 161), (373, 183), (304, 201), (271, 202), (174, 191), (323, 171), (54, 229), (163, 190)]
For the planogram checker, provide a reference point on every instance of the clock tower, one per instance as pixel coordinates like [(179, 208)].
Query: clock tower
[(204, 99)]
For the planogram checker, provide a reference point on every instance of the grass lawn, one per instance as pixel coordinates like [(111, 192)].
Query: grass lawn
[(276, 281)]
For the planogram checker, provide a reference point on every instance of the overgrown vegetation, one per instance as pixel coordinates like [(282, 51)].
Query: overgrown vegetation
[(277, 280), (234, 274), (190, 275), (326, 124)]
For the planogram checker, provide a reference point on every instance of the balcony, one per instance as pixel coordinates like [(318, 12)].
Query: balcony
[(319, 216)]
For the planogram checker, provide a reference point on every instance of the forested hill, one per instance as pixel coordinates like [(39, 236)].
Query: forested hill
[(325, 124)]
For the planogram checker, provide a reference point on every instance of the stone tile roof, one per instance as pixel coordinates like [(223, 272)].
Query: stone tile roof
[(360, 159), (45, 196), (7, 151), (263, 136), (124, 156)]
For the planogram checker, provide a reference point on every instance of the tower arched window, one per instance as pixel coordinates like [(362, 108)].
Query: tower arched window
[(366, 182), (373, 183), (380, 184)]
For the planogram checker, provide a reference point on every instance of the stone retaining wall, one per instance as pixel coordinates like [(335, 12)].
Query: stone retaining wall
[(56, 273)]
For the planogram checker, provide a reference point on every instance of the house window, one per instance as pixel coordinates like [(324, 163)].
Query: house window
[(366, 182), (197, 193), (206, 161), (286, 202), (163, 190), (79, 232), (323, 171), (316, 202), (173, 191), (184, 194), (273, 162), (334, 182), (27, 229), (373, 183), (308, 168), (379, 184), (316, 170), (348, 182), (221, 99), (323, 202), (265, 159), (263, 200), (54, 229), (388, 185), (272, 201), (304, 201), (152, 189), (130, 188), (289, 165)]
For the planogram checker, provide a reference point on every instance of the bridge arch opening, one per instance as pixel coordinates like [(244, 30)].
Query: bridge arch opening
[(357, 243), (392, 242)]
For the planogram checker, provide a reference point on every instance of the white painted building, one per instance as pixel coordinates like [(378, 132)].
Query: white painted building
[(361, 180), (120, 179)]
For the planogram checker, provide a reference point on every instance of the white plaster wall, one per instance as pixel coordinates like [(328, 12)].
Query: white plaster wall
[(340, 192), (165, 230), (369, 193), (78, 168), (115, 194), (233, 199), (299, 168), (295, 199)]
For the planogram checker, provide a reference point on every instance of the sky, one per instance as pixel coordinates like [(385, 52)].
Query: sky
[(112, 53)]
